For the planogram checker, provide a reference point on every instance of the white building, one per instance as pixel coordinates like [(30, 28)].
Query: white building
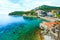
[(39, 12), (50, 14)]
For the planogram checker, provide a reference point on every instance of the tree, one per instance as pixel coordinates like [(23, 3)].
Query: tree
[(17, 13)]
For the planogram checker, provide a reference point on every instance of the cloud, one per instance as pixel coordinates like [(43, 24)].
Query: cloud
[(7, 6), (14, 1), (30, 4), (55, 3)]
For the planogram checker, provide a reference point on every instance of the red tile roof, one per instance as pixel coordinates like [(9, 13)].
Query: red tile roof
[(49, 24)]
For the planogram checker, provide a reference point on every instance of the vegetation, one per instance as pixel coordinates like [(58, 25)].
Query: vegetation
[(32, 12), (17, 13), (47, 8), (58, 15)]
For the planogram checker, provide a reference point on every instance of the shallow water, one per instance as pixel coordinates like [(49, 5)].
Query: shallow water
[(17, 27)]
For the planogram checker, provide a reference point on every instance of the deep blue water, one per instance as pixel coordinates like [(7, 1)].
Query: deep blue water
[(14, 27)]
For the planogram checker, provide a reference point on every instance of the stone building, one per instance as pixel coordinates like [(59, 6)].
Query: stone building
[(41, 13)]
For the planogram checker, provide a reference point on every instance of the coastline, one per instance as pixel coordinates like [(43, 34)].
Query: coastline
[(35, 35)]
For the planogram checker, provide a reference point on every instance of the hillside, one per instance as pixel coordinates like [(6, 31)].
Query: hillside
[(31, 12), (43, 7), (47, 8), (17, 13)]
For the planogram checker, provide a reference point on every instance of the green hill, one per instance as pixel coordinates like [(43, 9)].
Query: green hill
[(17, 13), (31, 12), (47, 8), (43, 7)]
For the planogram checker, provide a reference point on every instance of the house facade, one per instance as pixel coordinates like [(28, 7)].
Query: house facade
[(56, 13), (50, 14), (41, 13)]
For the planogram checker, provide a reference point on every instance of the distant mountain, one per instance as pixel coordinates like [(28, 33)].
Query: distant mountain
[(47, 8)]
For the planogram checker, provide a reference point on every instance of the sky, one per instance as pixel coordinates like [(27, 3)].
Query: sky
[(7, 6)]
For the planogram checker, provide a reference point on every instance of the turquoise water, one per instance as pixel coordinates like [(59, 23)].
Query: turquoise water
[(16, 27)]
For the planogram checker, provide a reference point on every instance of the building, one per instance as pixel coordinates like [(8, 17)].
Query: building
[(56, 13), (50, 14), (38, 12), (41, 13), (48, 26)]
